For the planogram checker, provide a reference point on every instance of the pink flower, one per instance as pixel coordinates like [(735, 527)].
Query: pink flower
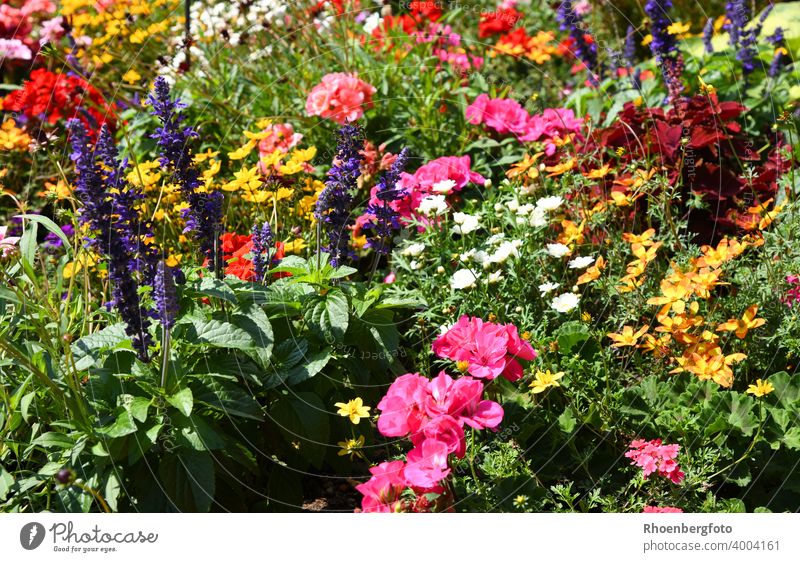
[(341, 97), (8, 244), (504, 116), (665, 509), (382, 491), (445, 429), (427, 464), (461, 399), (450, 172), (391, 278), (281, 138), (14, 49), (489, 349), (401, 407), (652, 456), (52, 30)]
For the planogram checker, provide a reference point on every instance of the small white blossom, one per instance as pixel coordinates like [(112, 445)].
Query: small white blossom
[(513, 205), (557, 250), (466, 223), (432, 205), (414, 250), (581, 262), (538, 218), (415, 265), (550, 203), (373, 21), (463, 279), (443, 187), (505, 251), (546, 288), (565, 302), (494, 277)]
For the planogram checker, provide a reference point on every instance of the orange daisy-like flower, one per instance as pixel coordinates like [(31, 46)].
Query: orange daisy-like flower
[(627, 337), (740, 326)]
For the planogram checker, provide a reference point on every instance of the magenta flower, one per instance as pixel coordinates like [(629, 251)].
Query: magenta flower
[(427, 464), (665, 509), (488, 349), (382, 491), (652, 456)]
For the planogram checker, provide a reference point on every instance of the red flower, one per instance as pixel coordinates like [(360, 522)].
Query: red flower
[(49, 97), (234, 249), (495, 23)]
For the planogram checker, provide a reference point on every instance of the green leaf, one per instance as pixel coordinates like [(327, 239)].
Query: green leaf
[(567, 421), (213, 287), (183, 401), (217, 333), (328, 314), (310, 367), (792, 438), (295, 265), (741, 416), (787, 390), (54, 439), (123, 425), (28, 244), (6, 482), (87, 350), (228, 398), (188, 479), (303, 419), (51, 226), (570, 335)]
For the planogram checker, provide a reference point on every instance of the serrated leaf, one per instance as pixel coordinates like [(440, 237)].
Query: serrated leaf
[(328, 314), (213, 287), (87, 350)]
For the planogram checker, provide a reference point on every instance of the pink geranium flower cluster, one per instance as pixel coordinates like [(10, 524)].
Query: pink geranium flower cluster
[(341, 97), (18, 19), (508, 117), (433, 414), (652, 457), (488, 350), (665, 509), (442, 176)]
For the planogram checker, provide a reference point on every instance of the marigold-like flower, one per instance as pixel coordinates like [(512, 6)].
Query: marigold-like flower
[(544, 380), (760, 388), (354, 409)]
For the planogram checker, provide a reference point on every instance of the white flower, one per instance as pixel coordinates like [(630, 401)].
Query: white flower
[(494, 277), (444, 186), (545, 288), (463, 279), (432, 205), (550, 203), (495, 238), (414, 265), (466, 223), (538, 218), (557, 250), (440, 269), (372, 22), (414, 249), (525, 209), (505, 251), (565, 302), (513, 205), (468, 255), (581, 262)]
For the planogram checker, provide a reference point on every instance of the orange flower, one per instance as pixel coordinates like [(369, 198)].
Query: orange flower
[(561, 168), (644, 238), (593, 272), (627, 338), (598, 173), (741, 326)]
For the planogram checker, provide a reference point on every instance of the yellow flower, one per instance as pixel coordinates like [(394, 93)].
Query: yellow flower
[(58, 190), (678, 28), (761, 388), (246, 178), (351, 447), (354, 409), (244, 151), (13, 138), (295, 246), (131, 77), (544, 380)]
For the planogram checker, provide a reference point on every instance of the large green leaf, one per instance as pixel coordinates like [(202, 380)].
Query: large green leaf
[(303, 420), (328, 314), (188, 479), (87, 351)]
